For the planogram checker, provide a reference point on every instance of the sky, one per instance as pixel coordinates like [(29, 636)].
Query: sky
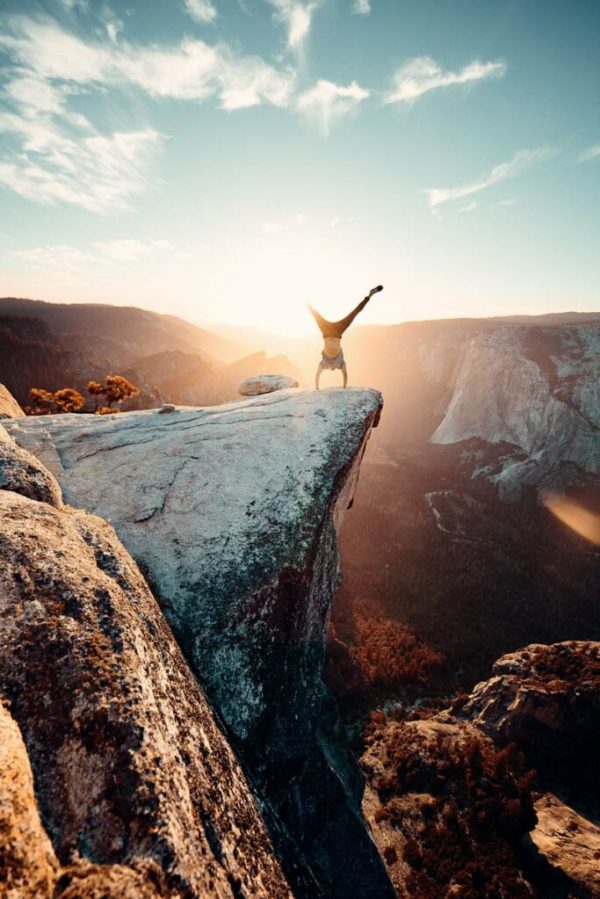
[(230, 161)]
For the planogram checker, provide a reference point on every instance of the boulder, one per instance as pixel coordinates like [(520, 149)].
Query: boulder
[(23, 473), (9, 408), (260, 384), (446, 809), (233, 513), (546, 699), (131, 769)]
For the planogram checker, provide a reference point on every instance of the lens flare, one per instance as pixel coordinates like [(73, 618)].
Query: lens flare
[(581, 520)]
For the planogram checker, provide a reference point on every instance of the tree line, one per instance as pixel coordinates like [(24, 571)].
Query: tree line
[(105, 397)]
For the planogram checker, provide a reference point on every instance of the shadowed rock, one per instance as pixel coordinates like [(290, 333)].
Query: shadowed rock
[(22, 473), (130, 767)]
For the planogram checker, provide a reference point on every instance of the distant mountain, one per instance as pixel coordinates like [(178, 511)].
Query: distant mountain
[(121, 334), (58, 345), (489, 440)]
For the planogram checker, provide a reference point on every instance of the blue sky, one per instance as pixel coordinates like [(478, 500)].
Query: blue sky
[(230, 160)]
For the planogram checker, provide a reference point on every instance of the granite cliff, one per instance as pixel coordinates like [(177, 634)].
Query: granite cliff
[(137, 787), (232, 514)]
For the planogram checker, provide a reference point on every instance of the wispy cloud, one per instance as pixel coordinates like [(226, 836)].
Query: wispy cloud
[(591, 153), (470, 207), (57, 155), (201, 10), (59, 257), (190, 70), (297, 19), (520, 160), (361, 7), (327, 102), (422, 74)]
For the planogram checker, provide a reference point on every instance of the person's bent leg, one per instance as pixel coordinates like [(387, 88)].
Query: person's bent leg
[(318, 376), (345, 375)]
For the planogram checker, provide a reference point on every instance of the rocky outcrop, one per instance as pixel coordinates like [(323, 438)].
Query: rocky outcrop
[(447, 809), (28, 865), (9, 408), (23, 473), (546, 699), (537, 389), (29, 868), (131, 769), (233, 514)]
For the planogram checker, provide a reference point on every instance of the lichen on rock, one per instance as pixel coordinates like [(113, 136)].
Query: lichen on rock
[(131, 769)]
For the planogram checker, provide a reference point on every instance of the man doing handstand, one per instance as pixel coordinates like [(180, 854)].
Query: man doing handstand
[(332, 356)]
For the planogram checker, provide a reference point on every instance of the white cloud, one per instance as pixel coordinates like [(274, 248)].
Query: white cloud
[(129, 250), (201, 10), (510, 202), (423, 74), (55, 154), (97, 172), (327, 102), (470, 207), (190, 70), (58, 257), (54, 257), (361, 7), (297, 18), (520, 160), (590, 153)]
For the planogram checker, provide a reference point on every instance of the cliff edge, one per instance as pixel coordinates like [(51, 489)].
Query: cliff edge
[(232, 512)]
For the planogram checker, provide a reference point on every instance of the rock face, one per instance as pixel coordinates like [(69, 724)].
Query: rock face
[(233, 513), (131, 770), (453, 801), (27, 862), (259, 384), (23, 473), (447, 809), (9, 408), (570, 843), (547, 700), (538, 390)]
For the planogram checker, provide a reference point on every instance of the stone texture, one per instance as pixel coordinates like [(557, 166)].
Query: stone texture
[(29, 868), (130, 766), (570, 843), (259, 384), (27, 862), (545, 698), (232, 512), (9, 408), (445, 811), (510, 388), (23, 473)]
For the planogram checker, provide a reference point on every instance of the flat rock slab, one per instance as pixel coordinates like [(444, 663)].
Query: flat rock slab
[(217, 504), (260, 384)]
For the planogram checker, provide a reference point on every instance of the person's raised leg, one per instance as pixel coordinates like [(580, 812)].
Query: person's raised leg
[(318, 376), (345, 375)]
